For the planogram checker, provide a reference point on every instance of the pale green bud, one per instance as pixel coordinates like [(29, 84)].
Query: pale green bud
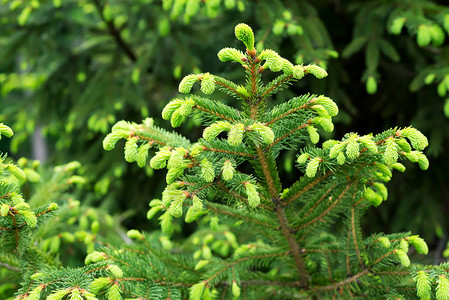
[(228, 170), (121, 126), (253, 195), (114, 293), (371, 85), (76, 295), (341, 158), (231, 54), (215, 129), (312, 167), (384, 241), (265, 132), (298, 72), (29, 217), (207, 83), (131, 149), (396, 26), (115, 270), (328, 104), (22, 206), (390, 155), (16, 171), (201, 264), (322, 112), (313, 133), (245, 34), (94, 257), (159, 160), (273, 59), (412, 156), (382, 190), (429, 78), (325, 123), (207, 170), (197, 290), (416, 138), (135, 234), (242, 90), (170, 108), (403, 246), (6, 131), (303, 158), (153, 211), (423, 37), (177, 158), (419, 244), (99, 283), (142, 155), (192, 7), (442, 89), (423, 285), (442, 288), (176, 206), (384, 170), (186, 84), (55, 244), (403, 257), (278, 27), (367, 141), (423, 162), (317, 71), (336, 149), (373, 198), (352, 148), (195, 209), (329, 144), (89, 296), (36, 293), (58, 295), (235, 289), (191, 215), (235, 135), (110, 140), (437, 35), (398, 166), (287, 67)]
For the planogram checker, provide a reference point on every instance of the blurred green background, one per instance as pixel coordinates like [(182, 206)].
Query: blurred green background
[(70, 69)]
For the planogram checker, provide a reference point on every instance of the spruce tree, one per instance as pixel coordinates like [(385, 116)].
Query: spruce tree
[(253, 236)]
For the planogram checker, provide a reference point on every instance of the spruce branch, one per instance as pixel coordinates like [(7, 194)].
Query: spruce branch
[(244, 154), (343, 282), (354, 236), (291, 198), (290, 132), (276, 85), (326, 211), (276, 226)]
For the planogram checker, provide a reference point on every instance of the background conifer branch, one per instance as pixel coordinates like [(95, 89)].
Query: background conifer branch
[(115, 33)]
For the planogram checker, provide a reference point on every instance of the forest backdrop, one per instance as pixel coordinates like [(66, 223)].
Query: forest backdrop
[(69, 70)]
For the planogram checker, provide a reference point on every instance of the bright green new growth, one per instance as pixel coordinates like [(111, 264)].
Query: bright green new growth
[(253, 236)]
